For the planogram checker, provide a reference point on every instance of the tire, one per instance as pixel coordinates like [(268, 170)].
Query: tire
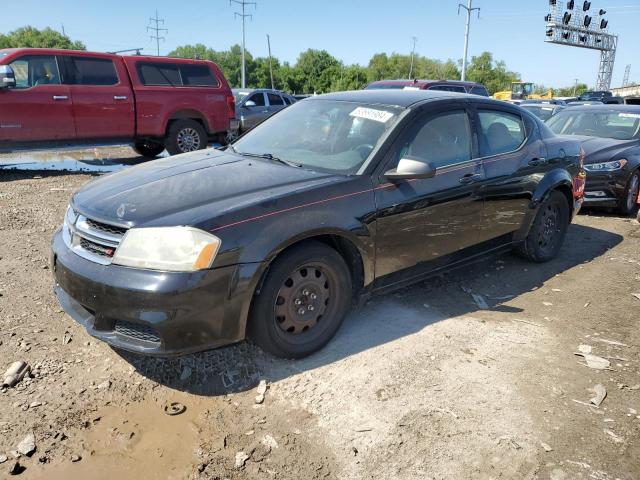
[(629, 202), (185, 136), (148, 149), (302, 303), (548, 229)]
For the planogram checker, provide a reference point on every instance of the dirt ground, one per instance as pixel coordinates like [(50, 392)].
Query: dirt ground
[(420, 384)]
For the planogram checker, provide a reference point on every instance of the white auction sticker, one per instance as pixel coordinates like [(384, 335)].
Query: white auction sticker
[(629, 115), (372, 114)]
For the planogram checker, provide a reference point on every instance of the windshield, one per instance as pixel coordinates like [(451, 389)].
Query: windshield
[(325, 135), (543, 112), (618, 125), (3, 54)]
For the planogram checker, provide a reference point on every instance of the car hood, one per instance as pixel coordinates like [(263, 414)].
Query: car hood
[(173, 189), (602, 149)]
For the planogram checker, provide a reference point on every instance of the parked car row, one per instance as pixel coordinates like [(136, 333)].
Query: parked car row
[(333, 199)]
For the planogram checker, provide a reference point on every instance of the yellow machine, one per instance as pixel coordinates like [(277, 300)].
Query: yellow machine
[(522, 91)]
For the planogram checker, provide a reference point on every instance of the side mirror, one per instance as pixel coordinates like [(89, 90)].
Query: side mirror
[(411, 168), (249, 103), (7, 77)]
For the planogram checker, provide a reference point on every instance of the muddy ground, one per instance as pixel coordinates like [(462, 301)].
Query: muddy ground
[(420, 384)]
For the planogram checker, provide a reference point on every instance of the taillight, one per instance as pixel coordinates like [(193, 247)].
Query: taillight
[(578, 184), (231, 106)]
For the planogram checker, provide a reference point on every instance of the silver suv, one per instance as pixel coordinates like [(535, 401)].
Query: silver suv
[(255, 105)]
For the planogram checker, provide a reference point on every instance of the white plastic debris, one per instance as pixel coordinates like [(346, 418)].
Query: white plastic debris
[(15, 373), (601, 393), (595, 362)]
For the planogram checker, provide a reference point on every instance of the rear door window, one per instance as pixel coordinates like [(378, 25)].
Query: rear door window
[(34, 70), (92, 71), (275, 99), (502, 132)]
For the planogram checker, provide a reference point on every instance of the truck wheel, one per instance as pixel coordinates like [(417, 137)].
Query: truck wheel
[(629, 202), (305, 296), (186, 136), (548, 230), (148, 148)]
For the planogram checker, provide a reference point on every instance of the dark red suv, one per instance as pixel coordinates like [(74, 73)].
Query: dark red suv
[(443, 85), (66, 96)]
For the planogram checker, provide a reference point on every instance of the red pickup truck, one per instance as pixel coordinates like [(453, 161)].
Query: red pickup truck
[(62, 96)]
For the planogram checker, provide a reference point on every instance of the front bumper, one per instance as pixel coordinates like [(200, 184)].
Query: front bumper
[(605, 188), (152, 312)]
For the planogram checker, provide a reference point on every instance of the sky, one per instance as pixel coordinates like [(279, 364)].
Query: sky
[(351, 30)]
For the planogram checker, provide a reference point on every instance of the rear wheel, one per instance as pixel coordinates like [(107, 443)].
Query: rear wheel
[(186, 136), (304, 298), (148, 148), (629, 202), (548, 230)]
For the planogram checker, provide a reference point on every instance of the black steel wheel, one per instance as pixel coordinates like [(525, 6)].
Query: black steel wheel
[(302, 303), (548, 229), (629, 202)]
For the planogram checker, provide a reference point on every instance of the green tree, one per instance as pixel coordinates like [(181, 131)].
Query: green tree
[(492, 74), (34, 38), (571, 91), (318, 68)]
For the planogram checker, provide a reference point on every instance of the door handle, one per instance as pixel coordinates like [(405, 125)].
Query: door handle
[(60, 97), (535, 162), (470, 178), (120, 97)]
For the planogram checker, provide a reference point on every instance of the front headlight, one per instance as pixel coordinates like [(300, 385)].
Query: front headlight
[(606, 166), (176, 249)]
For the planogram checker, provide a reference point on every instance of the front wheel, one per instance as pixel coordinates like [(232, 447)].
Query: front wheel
[(629, 202), (305, 296), (548, 229), (186, 136)]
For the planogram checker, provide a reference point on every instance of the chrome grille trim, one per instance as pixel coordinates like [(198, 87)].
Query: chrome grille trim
[(78, 230)]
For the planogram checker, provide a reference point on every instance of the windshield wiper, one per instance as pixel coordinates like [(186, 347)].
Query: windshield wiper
[(269, 156)]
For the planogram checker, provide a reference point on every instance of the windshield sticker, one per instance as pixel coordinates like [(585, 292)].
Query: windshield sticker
[(372, 114), (629, 115), (411, 88), (547, 108)]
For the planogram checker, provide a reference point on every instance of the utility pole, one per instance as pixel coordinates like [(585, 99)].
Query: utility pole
[(413, 52), (64, 34), (243, 4), (270, 64), (469, 10), (575, 87), (157, 29), (627, 73)]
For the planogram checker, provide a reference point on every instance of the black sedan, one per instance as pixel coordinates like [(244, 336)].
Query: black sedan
[(611, 141), (328, 201)]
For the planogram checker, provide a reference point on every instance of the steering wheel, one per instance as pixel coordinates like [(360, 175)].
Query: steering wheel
[(364, 149), (620, 134)]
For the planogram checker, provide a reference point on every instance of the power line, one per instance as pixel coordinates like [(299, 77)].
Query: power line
[(413, 52), (243, 4), (469, 10), (157, 29)]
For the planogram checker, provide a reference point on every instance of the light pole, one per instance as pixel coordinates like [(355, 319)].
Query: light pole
[(244, 16), (469, 10), (413, 52)]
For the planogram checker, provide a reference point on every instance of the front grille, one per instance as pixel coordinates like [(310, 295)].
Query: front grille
[(137, 331), (90, 239), (103, 227), (97, 248)]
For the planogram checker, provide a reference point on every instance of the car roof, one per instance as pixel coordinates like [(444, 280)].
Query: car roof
[(422, 83), (397, 98), (252, 90), (605, 108)]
